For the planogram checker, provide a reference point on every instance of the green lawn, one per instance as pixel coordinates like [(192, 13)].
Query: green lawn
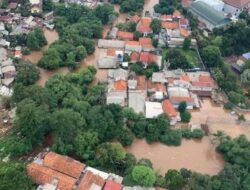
[(191, 56)]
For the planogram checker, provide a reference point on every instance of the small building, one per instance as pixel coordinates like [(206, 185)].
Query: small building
[(169, 109), (118, 44), (208, 15), (153, 109), (36, 6), (133, 46), (107, 63), (136, 100), (121, 35)]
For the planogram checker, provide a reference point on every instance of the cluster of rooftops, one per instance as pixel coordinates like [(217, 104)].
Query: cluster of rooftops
[(53, 171), (163, 92)]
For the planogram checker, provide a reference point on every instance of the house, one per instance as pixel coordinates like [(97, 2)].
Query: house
[(166, 18), (136, 18), (235, 7), (246, 56), (159, 77), (117, 93), (121, 35), (153, 109), (117, 74), (134, 57), (12, 6), (144, 26), (113, 33), (18, 52), (91, 181), (146, 44), (136, 100), (133, 46), (60, 171), (144, 58), (49, 16), (208, 15), (176, 100), (112, 185), (169, 109), (107, 63), (118, 44), (36, 6)]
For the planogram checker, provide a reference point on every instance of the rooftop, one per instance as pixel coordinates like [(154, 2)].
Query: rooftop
[(209, 13), (64, 164), (237, 3), (120, 85), (111, 185), (168, 108)]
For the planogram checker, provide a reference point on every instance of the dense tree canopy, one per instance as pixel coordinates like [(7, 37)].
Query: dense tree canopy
[(27, 73), (36, 39), (143, 176)]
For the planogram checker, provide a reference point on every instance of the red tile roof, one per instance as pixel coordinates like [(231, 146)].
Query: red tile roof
[(146, 21), (63, 164), (136, 18), (181, 99), (184, 21), (185, 78), (125, 35), (111, 52), (135, 43), (170, 25), (42, 175), (145, 41), (169, 108), (120, 85), (144, 57), (184, 32), (156, 86), (89, 179), (111, 185), (144, 29), (135, 56)]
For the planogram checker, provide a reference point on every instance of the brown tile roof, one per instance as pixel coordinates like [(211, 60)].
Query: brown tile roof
[(170, 25), (42, 175), (112, 185), (146, 21), (89, 179), (166, 17), (145, 41), (12, 5), (181, 99), (111, 52), (185, 78), (135, 43), (144, 57), (177, 14), (157, 86), (184, 32), (125, 35), (169, 108), (136, 18), (184, 21), (135, 56), (144, 29), (237, 3), (120, 85), (63, 164)]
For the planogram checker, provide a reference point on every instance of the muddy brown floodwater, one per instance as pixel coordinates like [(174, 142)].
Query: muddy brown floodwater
[(199, 156)]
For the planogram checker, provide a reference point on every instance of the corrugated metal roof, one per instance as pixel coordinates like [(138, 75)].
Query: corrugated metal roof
[(208, 13)]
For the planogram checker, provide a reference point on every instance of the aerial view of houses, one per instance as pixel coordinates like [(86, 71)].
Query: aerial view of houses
[(125, 95)]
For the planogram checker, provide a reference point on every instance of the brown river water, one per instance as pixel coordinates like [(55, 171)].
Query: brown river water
[(199, 156)]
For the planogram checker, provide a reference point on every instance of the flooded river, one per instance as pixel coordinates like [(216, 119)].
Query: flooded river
[(199, 156)]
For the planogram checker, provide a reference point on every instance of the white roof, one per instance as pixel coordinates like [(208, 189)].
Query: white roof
[(5, 91), (178, 91), (107, 62), (153, 109), (137, 101), (118, 74), (159, 77), (138, 188), (111, 43)]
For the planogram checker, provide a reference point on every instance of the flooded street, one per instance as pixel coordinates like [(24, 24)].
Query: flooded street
[(122, 16), (199, 156)]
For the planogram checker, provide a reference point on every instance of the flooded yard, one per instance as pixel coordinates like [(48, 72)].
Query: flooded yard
[(199, 156), (219, 119), (149, 5)]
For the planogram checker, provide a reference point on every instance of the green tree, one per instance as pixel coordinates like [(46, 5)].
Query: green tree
[(85, 144), (27, 73), (236, 97), (144, 176), (212, 56), (174, 180), (13, 176), (182, 107), (32, 121), (177, 59), (156, 26), (81, 53), (50, 60), (48, 5), (105, 12), (187, 44), (185, 117)]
